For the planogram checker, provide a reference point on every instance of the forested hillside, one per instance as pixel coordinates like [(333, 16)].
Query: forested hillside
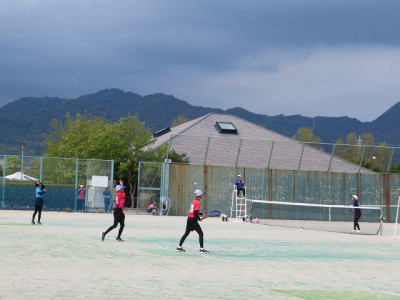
[(26, 119)]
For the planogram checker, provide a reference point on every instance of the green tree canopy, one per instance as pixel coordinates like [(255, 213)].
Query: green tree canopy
[(126, 142), (306, 135), (340, 150), (13, 164), (179, 120)]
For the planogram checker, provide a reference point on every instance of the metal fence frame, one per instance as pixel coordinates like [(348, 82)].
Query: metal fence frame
[(178, 181), (62, 178)]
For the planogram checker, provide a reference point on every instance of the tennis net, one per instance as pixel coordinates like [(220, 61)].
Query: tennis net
[(323, 217)]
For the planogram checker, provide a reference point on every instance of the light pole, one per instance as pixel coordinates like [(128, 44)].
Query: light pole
[(22, 160)]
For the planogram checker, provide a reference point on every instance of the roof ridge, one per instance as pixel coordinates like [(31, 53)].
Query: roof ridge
[(199, 120)]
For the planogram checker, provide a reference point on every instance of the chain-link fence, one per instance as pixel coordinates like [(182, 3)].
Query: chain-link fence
[(62, 178), (175, 183), (151, 187)]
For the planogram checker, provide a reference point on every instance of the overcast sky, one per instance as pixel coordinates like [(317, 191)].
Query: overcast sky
[(308, 57)]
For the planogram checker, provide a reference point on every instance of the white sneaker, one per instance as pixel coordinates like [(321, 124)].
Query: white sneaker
[(358, 230), (353, 230)]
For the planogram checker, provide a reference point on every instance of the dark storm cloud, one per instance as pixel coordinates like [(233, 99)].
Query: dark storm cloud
[(297, 56)]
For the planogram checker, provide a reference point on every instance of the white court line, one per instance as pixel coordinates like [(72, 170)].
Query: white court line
[(371, 290)]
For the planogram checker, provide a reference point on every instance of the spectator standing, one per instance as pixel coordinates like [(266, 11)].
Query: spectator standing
[(81, 198), (107, 199)]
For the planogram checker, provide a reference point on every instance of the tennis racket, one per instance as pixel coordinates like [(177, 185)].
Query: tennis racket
[(27, 177)]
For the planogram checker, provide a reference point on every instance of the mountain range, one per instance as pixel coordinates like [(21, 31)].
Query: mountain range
[(26, 119)]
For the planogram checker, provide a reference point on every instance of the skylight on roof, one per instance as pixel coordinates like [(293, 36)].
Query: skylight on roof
[(226, 127)]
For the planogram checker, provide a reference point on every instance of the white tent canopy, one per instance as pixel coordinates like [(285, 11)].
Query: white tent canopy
[(20, 176)]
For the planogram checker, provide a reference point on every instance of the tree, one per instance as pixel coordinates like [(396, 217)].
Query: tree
[(353, 149), (306, 135), (340, 150), (382, 156), (176, 157), (368, 141), (126, 142), (179, 120), (13, 164), (373, 157), (79, 137)]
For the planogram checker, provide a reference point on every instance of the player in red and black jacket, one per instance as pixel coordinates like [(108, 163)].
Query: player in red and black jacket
[(192, 222), (119, 216)]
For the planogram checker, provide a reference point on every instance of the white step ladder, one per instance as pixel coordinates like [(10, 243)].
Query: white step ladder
[(238, 206)]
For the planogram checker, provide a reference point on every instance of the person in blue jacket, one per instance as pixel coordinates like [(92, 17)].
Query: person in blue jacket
[(107, 199), (240, 186), (39, 201)]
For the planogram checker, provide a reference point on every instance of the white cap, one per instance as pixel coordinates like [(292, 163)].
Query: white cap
[(239, 176), (355, 197), (119, 187), (198, 192), (81, 185)]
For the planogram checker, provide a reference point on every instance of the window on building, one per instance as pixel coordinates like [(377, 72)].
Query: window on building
[(226, 127)]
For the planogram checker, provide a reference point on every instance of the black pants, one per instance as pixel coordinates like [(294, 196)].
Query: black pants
[(119, 217), (38, 209), (191, 225), (356, 218), (81, 205), (243, 190)]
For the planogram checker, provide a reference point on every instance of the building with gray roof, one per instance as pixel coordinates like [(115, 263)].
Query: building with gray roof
[(227, 140)]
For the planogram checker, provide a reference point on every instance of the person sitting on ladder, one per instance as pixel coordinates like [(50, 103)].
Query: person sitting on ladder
[(240, 186)]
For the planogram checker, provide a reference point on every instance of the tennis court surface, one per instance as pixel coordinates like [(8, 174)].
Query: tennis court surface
[(65, 258)]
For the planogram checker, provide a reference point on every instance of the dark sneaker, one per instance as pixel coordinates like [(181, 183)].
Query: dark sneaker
[(180, 249), (202, 250), (119, 239), (33, 222), (103, 235), (39, 223)]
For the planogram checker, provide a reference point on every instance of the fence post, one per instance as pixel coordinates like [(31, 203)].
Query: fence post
[(169, 145), (361, 159), (332, 154), (390, 161), (138, 188), (76, 183), (41, 169), (301, 156), (111, 176), (205, 155), (270, 154), (164, 192), (3, 203), (238, 152)]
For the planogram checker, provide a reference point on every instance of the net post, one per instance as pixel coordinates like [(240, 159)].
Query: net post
[(233, 200), (381, 222), (329, 213), (397, 217)]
